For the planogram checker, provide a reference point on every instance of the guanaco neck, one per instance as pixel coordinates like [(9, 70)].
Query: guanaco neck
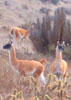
[(12, 56), (58, 55)]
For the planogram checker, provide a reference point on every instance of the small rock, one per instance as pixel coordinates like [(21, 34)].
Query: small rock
[(44, 1), (25, 7), (6, 3)]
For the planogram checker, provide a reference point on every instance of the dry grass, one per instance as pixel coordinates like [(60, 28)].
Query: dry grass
[(15, 87), (12, 85)]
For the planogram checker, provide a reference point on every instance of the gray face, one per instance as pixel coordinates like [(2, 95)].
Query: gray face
[(7, 46), (61, 48)]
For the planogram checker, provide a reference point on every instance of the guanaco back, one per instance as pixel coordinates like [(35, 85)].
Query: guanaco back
[(25, 67)]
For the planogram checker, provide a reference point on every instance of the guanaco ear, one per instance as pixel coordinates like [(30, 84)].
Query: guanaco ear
[(58, 42), (67, 44), (63, 43)]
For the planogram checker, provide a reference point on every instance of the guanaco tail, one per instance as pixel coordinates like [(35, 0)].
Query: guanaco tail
[(25, 67), (59, 66), (43, 61)]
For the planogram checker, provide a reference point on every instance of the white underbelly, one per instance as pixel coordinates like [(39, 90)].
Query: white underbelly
[(58, 66), (31, 73)]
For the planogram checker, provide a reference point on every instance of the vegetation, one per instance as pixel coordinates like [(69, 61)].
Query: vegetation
[(51, 29), (54, 90), (44, 35)]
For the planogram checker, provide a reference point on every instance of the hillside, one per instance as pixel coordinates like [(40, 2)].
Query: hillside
[(17, 13)]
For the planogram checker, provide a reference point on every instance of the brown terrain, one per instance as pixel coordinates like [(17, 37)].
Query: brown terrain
[(16, 13)]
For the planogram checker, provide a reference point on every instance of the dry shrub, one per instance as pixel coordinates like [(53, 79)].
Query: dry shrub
[(51, 29), (41, 33)]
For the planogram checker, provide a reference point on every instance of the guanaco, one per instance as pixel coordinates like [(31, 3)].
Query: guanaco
[(19, 33), (25, 67), (59, 66)]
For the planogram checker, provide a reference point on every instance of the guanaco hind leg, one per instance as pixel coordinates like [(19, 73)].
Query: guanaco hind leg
[(42, 79), (39, 73)]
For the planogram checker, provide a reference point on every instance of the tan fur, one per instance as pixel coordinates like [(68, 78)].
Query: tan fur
[(42, 61), (59, 64), (63, 65), (25, 67), (19, 36), (19, 31)]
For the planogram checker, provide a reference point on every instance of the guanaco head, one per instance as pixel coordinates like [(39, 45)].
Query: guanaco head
[(60, 47), (7, 46)]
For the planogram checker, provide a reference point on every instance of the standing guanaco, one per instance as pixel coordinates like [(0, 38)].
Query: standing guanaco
[(25, 67), (59, 66), (19, 33)]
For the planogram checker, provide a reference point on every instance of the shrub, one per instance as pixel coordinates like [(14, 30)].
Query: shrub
[(55, 1)]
